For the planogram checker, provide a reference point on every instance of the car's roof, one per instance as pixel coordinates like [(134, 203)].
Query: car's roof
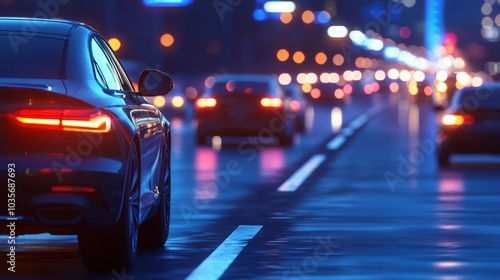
[(244, 77), (486, 86), (31, 27)]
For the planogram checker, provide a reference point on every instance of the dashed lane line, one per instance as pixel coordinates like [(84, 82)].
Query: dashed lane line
[(297, 178), (218, 262)]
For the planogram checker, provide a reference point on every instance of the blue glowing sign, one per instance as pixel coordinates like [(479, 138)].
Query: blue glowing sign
[(167, 3)]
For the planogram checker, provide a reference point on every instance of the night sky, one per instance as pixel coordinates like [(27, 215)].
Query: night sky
[(246, 44)]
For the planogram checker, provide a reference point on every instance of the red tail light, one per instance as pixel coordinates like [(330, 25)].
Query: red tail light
[(206, 102), (73, 189), (83, 120), (452, 120), (271, 102)]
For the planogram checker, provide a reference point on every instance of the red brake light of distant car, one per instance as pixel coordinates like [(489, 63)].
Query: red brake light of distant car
[(206, 102), (73, 189), (271, 102), (451, 120), (81, 120), (295, 105)]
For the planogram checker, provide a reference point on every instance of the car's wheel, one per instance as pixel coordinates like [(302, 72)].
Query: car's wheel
[(443, 157), (105, 249), (154, 233)]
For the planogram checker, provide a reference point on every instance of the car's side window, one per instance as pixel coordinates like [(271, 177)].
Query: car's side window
[(106, 73), (124, 79)]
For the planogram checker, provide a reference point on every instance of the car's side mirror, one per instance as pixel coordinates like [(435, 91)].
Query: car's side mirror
[(153, 82)]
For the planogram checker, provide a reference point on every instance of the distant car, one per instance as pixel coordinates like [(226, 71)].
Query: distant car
[(471, 124), (244, 105), (84, 152), (298, 103)]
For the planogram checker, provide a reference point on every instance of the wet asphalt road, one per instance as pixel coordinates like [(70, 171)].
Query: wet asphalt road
[(366, 201)]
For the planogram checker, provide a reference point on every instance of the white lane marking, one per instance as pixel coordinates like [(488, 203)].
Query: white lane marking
[(348, 131), (294, 182), (359, 121), (336, 142), (354, 125), (217, 263)]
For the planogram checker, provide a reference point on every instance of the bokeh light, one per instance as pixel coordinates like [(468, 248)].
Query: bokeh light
[(209, 81), (347, 89), (405, 75), (299, 57), (476, 81), (323, 17), (321, 58), (167, 40), (115, 44), (393, 74), (334, 78), (348, 76), (159, 101), (307, 17), (177, 101), (315, 93), (306, 88), (338, 59), (441, 87), (380, 75), (230, 86), (441, 75), (191, 93), (339, 93), (394, 87), (301, 78), (286, 18), (324, 78), (282, 55), (285, 78), (311, 78), (404, 32)]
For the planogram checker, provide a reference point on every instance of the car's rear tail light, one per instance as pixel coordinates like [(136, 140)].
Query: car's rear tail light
[(73, 189), (452, 120), (83, 120), (206, 102), (271, 102)]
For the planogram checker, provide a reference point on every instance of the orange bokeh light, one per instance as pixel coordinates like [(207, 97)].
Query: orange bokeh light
[(307, 17), (321, 58), (282, 55), (299, 57), (167, 40), (286, 18)]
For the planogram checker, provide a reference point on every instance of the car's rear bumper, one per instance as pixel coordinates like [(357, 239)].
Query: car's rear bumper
[(470, 140), (38, 207), (262, 128)]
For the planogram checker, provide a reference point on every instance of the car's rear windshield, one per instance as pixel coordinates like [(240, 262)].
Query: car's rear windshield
[(241, 87), (30, 57), (479, 98)]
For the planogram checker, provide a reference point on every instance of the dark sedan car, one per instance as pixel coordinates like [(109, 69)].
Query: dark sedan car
[(244, 105), (83, 152), (471, 124)]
